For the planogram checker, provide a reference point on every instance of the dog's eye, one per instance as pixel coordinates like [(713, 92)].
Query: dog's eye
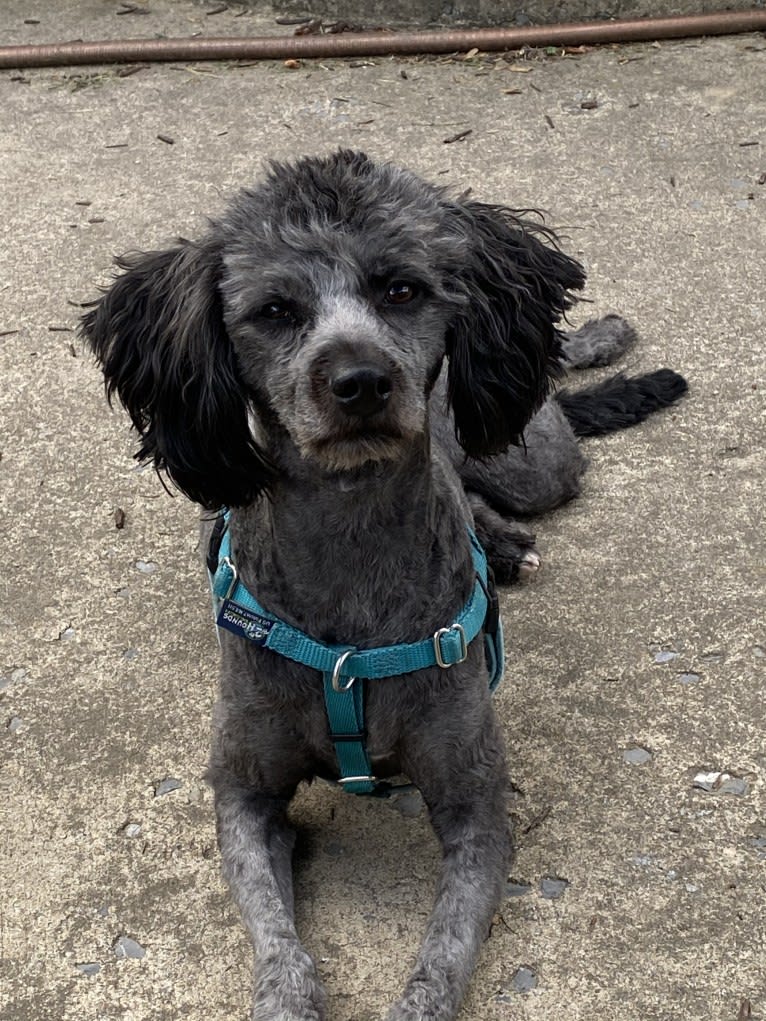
[(276, 311), (400, 293)]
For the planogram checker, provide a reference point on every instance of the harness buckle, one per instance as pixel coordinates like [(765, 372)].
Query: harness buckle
[(336, 678), (231, 567), (438, 635)]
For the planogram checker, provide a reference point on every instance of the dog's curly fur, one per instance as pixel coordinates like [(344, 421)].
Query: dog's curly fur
[(347, 359)]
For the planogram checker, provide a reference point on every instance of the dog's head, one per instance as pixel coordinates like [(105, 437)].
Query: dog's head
[(317, 313)]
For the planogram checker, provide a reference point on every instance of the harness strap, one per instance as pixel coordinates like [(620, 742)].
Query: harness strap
[(241, 613), (345, 711), (343, 667)]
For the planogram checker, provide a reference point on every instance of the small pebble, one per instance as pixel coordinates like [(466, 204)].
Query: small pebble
[(130, 654), (688, 678), (524, 980), (127, 947), (93, 968), (15, 724), (720, 783), (146, 566), (737, 785), (637, 756), (131, 829), (665, 656), (552, 888), (166, 786)]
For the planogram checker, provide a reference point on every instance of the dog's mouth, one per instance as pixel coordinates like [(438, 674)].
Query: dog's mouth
[(352, 450)]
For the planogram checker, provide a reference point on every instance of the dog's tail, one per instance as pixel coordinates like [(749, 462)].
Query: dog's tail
[(620, 401)]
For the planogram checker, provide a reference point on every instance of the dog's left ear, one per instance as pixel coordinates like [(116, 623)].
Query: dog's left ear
[(503, 346), (159, 335)]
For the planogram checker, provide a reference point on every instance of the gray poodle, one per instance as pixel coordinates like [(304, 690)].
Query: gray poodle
[(360, 369)]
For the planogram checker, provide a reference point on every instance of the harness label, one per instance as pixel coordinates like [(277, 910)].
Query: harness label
[(243, 622)]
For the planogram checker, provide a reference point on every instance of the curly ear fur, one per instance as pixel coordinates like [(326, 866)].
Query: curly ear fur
[(159, 336), (503, 348)]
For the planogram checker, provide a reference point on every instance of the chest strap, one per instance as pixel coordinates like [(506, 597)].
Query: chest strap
[(345, 668)]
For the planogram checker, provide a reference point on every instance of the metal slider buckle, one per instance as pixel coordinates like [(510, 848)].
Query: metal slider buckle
[(438, 649), (229, 565), (341, 688)]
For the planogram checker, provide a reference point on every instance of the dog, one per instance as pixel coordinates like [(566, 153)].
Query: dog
[(361, 369)]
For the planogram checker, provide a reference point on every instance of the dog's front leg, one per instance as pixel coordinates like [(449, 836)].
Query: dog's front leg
[(464, 783), (256, 850)]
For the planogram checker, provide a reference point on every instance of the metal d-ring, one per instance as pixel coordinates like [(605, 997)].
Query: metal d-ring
[(336, 685)]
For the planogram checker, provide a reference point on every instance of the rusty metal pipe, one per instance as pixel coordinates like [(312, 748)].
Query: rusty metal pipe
[(368, 44)]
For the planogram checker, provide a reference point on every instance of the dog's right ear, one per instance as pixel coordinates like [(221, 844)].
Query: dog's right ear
[(159, 336), (503, 346)]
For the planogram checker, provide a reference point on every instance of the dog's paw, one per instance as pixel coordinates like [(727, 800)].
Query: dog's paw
[(425, 1000), (529, 565), (287, 987), (294, 1011), (514, 557)]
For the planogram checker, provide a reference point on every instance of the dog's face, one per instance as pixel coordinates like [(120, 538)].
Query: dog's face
[(337, 297), (320, 308)]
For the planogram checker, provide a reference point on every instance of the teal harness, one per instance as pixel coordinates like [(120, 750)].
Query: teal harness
[(345, 668)]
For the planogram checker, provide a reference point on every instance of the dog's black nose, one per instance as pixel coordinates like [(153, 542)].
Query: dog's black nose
[(362, 391)]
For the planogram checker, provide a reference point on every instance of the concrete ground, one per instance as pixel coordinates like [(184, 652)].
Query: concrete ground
[(636, 661)]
